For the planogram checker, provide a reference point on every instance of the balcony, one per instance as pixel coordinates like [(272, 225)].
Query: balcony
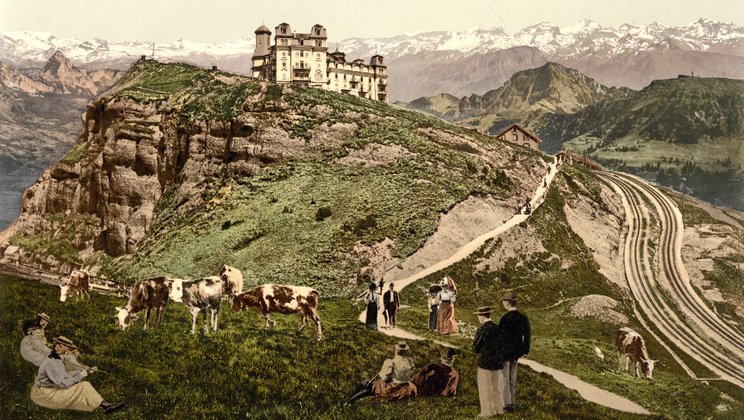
[(301, 74)]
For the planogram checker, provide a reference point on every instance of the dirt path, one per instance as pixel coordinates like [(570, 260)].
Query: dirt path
[(587, 391)]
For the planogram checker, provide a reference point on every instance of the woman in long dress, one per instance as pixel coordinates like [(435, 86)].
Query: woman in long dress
[(446, 323), (373, 304)]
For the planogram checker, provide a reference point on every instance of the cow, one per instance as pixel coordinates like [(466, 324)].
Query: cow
[(201, 295), (234, 280), (283, 299), (78, 284), (145, 295), (630, 345)]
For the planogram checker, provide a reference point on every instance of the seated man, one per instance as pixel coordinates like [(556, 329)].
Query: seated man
[(394, 379), (438, 379), (55, 388)]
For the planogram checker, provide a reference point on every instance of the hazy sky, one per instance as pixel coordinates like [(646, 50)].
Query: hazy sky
[(222, 20)]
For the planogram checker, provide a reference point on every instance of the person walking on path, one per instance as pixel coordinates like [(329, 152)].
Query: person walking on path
[(392, 302), (515, 332), (385, 315), (393, 382), (57, 389), (433, 305), (373, 303), (487, 344), (438, 380), (446, 323)]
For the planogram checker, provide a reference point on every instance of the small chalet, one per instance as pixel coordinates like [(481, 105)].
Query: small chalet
[(517, 134)]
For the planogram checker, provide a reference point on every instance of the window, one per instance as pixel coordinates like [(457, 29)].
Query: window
[(284, 42), (284, 29), (317, 31), (302, 53), (319, 43)]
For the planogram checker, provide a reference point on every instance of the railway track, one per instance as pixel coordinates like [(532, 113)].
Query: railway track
[(676, 310)]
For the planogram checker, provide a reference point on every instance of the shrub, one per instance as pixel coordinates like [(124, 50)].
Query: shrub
[(323, 213)]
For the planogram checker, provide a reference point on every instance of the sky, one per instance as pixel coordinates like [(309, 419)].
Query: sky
[(226, 20)]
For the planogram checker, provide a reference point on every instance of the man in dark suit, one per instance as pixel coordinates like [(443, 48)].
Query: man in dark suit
[(487, 344), (392, 303), (515, 332)]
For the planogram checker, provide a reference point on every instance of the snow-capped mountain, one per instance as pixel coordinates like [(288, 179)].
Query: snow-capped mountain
[(585, 37), (427, 63), (32, 49)]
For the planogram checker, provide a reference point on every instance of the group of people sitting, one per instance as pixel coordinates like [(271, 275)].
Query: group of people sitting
[(59, 382), (397, 380)]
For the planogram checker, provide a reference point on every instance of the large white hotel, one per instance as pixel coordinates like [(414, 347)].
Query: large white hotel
[(303, 58)]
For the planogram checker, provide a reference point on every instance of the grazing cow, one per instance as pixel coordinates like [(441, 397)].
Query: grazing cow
[(78, 284), (283, 299), (630, 345), (234, 280), (201, 296), (146, 295)]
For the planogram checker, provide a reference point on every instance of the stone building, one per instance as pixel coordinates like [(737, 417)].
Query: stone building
[(517, 134), (303, 58)]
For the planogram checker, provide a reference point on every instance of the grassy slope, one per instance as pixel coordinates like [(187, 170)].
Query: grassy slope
[(268, 226), (240, 371), (559, 340)]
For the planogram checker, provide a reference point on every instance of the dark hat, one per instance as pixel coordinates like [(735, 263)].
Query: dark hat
[(30, 325), (372, 286), (448, 353), (435, 288), (483, 310), (401, 345), (510, 296), (64, 341), (43, 316)]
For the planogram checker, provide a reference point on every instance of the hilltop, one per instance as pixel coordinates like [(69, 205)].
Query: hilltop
[(180, 169)]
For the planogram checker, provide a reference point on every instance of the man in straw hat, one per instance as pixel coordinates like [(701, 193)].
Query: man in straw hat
[(57, 389), (515, 330), (487, 344), (393, 381), (441, 379)]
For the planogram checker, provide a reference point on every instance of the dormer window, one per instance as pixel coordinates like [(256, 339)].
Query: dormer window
[(284, 29), (317, 31)]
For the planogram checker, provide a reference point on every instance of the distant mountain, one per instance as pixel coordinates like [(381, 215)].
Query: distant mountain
[(630, 56), (40, 111), (524, 98), (31, 49), (687, 133), (458, 63)]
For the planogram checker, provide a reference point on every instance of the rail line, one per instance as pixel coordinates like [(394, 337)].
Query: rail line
[(710, 340)]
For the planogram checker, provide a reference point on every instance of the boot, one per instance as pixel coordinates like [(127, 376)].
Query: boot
[(109, 407), (364, 389)]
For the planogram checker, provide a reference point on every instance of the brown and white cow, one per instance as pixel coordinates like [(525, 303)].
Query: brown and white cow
[(283, 299), (233, 279), (202, 295), (78, 284), (631, 346), (146, 295)]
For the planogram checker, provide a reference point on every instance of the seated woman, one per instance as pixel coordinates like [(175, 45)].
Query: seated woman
[(438, 379), (35, 348), (393, 381)]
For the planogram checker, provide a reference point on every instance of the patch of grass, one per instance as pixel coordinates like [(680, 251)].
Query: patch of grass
[(76, 154), (241, 371)]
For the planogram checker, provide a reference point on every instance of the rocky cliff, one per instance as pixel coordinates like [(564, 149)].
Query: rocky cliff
[(180, 169)]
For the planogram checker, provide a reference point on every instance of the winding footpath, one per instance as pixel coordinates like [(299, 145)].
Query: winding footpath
[(665, 295), (587, 391)]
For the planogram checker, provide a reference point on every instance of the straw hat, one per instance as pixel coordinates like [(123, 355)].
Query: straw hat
[(43, 316), (65, 341), (448, 354)]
